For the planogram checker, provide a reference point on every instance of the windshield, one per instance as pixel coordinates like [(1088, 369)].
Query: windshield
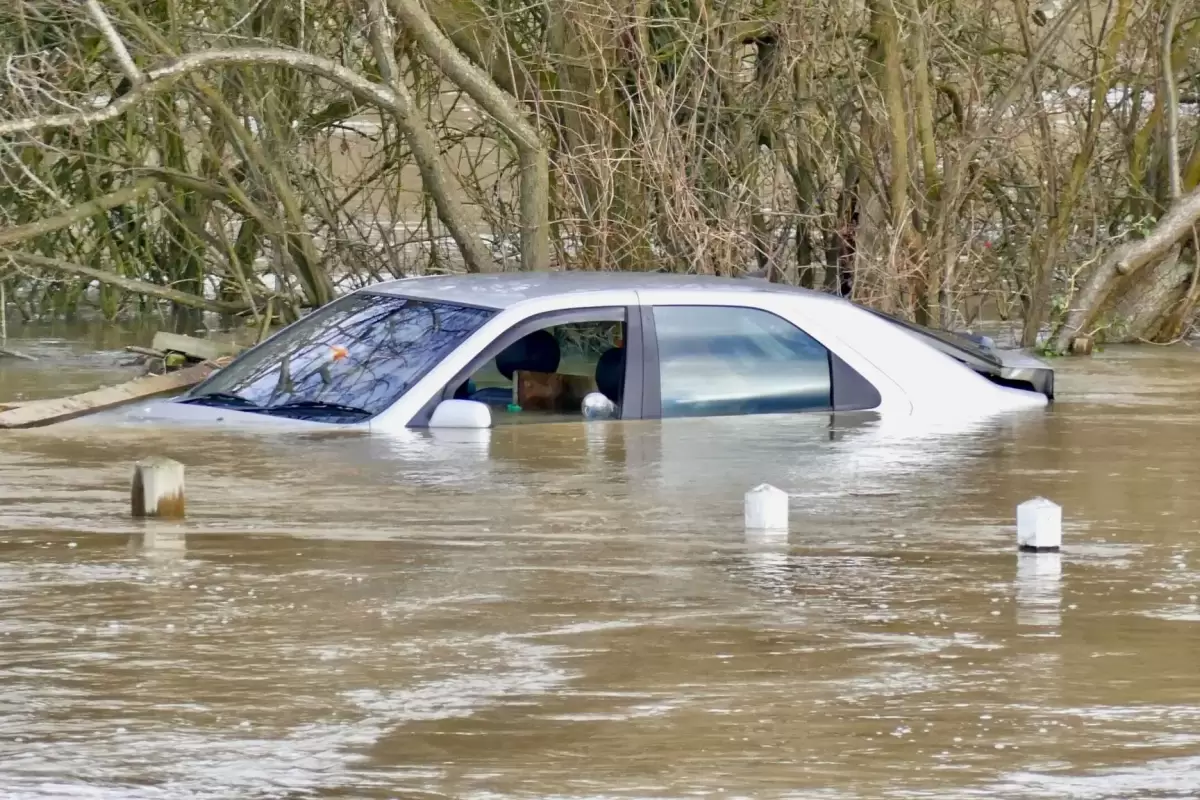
[(353, 358)]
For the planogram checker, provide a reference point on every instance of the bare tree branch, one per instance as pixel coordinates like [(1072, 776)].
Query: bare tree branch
[(20, 233), (160, 79), (701, 141), (120, 51), (989, 126), (1171, 99), (128, 284), (474, 81)]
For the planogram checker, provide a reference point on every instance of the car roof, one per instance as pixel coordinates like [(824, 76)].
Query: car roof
[(504, 289)]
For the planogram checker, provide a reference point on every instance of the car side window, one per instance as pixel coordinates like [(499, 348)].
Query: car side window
[(720, 361)]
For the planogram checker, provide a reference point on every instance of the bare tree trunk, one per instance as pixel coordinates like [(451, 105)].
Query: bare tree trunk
[(434, 175), (1041, 283), (888, 67), (535, 166), (1138, 314), (935, 301)]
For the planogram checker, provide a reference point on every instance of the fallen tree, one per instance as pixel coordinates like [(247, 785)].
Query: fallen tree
[(1126, 262)]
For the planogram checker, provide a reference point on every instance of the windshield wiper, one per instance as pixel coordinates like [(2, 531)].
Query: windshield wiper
[(221, 399), (318, 406)]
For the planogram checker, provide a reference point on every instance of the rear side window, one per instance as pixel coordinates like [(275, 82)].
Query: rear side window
[(720, 361)]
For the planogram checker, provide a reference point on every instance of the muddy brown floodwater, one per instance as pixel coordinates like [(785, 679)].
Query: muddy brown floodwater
[(574, 611)]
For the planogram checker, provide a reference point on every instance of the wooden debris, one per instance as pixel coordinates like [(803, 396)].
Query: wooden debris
[(10, 353), (196, 349), (145, 351), (1081, 346), (37, 413), (157, 489)]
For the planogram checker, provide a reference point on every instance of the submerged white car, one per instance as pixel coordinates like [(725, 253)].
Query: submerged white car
[(477, 350)]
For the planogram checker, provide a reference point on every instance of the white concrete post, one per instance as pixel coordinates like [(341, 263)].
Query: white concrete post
[(1039, 526), (766, 509)]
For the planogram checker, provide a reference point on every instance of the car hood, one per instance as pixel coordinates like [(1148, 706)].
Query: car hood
[(172, 411)]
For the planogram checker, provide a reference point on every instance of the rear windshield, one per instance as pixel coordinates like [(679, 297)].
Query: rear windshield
[(363, 351), (954, 345)]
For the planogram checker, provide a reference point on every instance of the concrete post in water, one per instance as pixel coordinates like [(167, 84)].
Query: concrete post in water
[(1039, 526), (158, 489), (767, 509)]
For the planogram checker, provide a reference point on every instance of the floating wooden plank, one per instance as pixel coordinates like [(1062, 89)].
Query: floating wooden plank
[(198, 349), (36, 413), (10, 353), (145, 351)]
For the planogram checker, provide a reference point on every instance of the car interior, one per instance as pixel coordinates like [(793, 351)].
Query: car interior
[(550, 372)]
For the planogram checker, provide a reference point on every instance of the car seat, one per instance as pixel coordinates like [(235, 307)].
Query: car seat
[(536, 352), (610, 373)]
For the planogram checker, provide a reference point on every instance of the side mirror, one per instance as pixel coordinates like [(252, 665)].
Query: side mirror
[(461, 414)]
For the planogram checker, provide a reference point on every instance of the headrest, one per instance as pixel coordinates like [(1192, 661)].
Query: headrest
[(610, 373), (537, 352)]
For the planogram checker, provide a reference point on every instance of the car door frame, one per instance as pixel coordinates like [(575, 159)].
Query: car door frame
[(633, 395), (849, 389)]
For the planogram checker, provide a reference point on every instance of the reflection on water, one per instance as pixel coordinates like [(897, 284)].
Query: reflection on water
[(1039, 589), (162, 541), (574, 610)]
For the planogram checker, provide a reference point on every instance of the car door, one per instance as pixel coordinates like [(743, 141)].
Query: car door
[(494, 340), (731, 359)]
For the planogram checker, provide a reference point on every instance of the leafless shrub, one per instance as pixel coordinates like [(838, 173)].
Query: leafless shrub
[(943, 161)]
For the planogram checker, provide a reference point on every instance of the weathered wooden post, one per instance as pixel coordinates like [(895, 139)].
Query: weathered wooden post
[(158, 489)]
